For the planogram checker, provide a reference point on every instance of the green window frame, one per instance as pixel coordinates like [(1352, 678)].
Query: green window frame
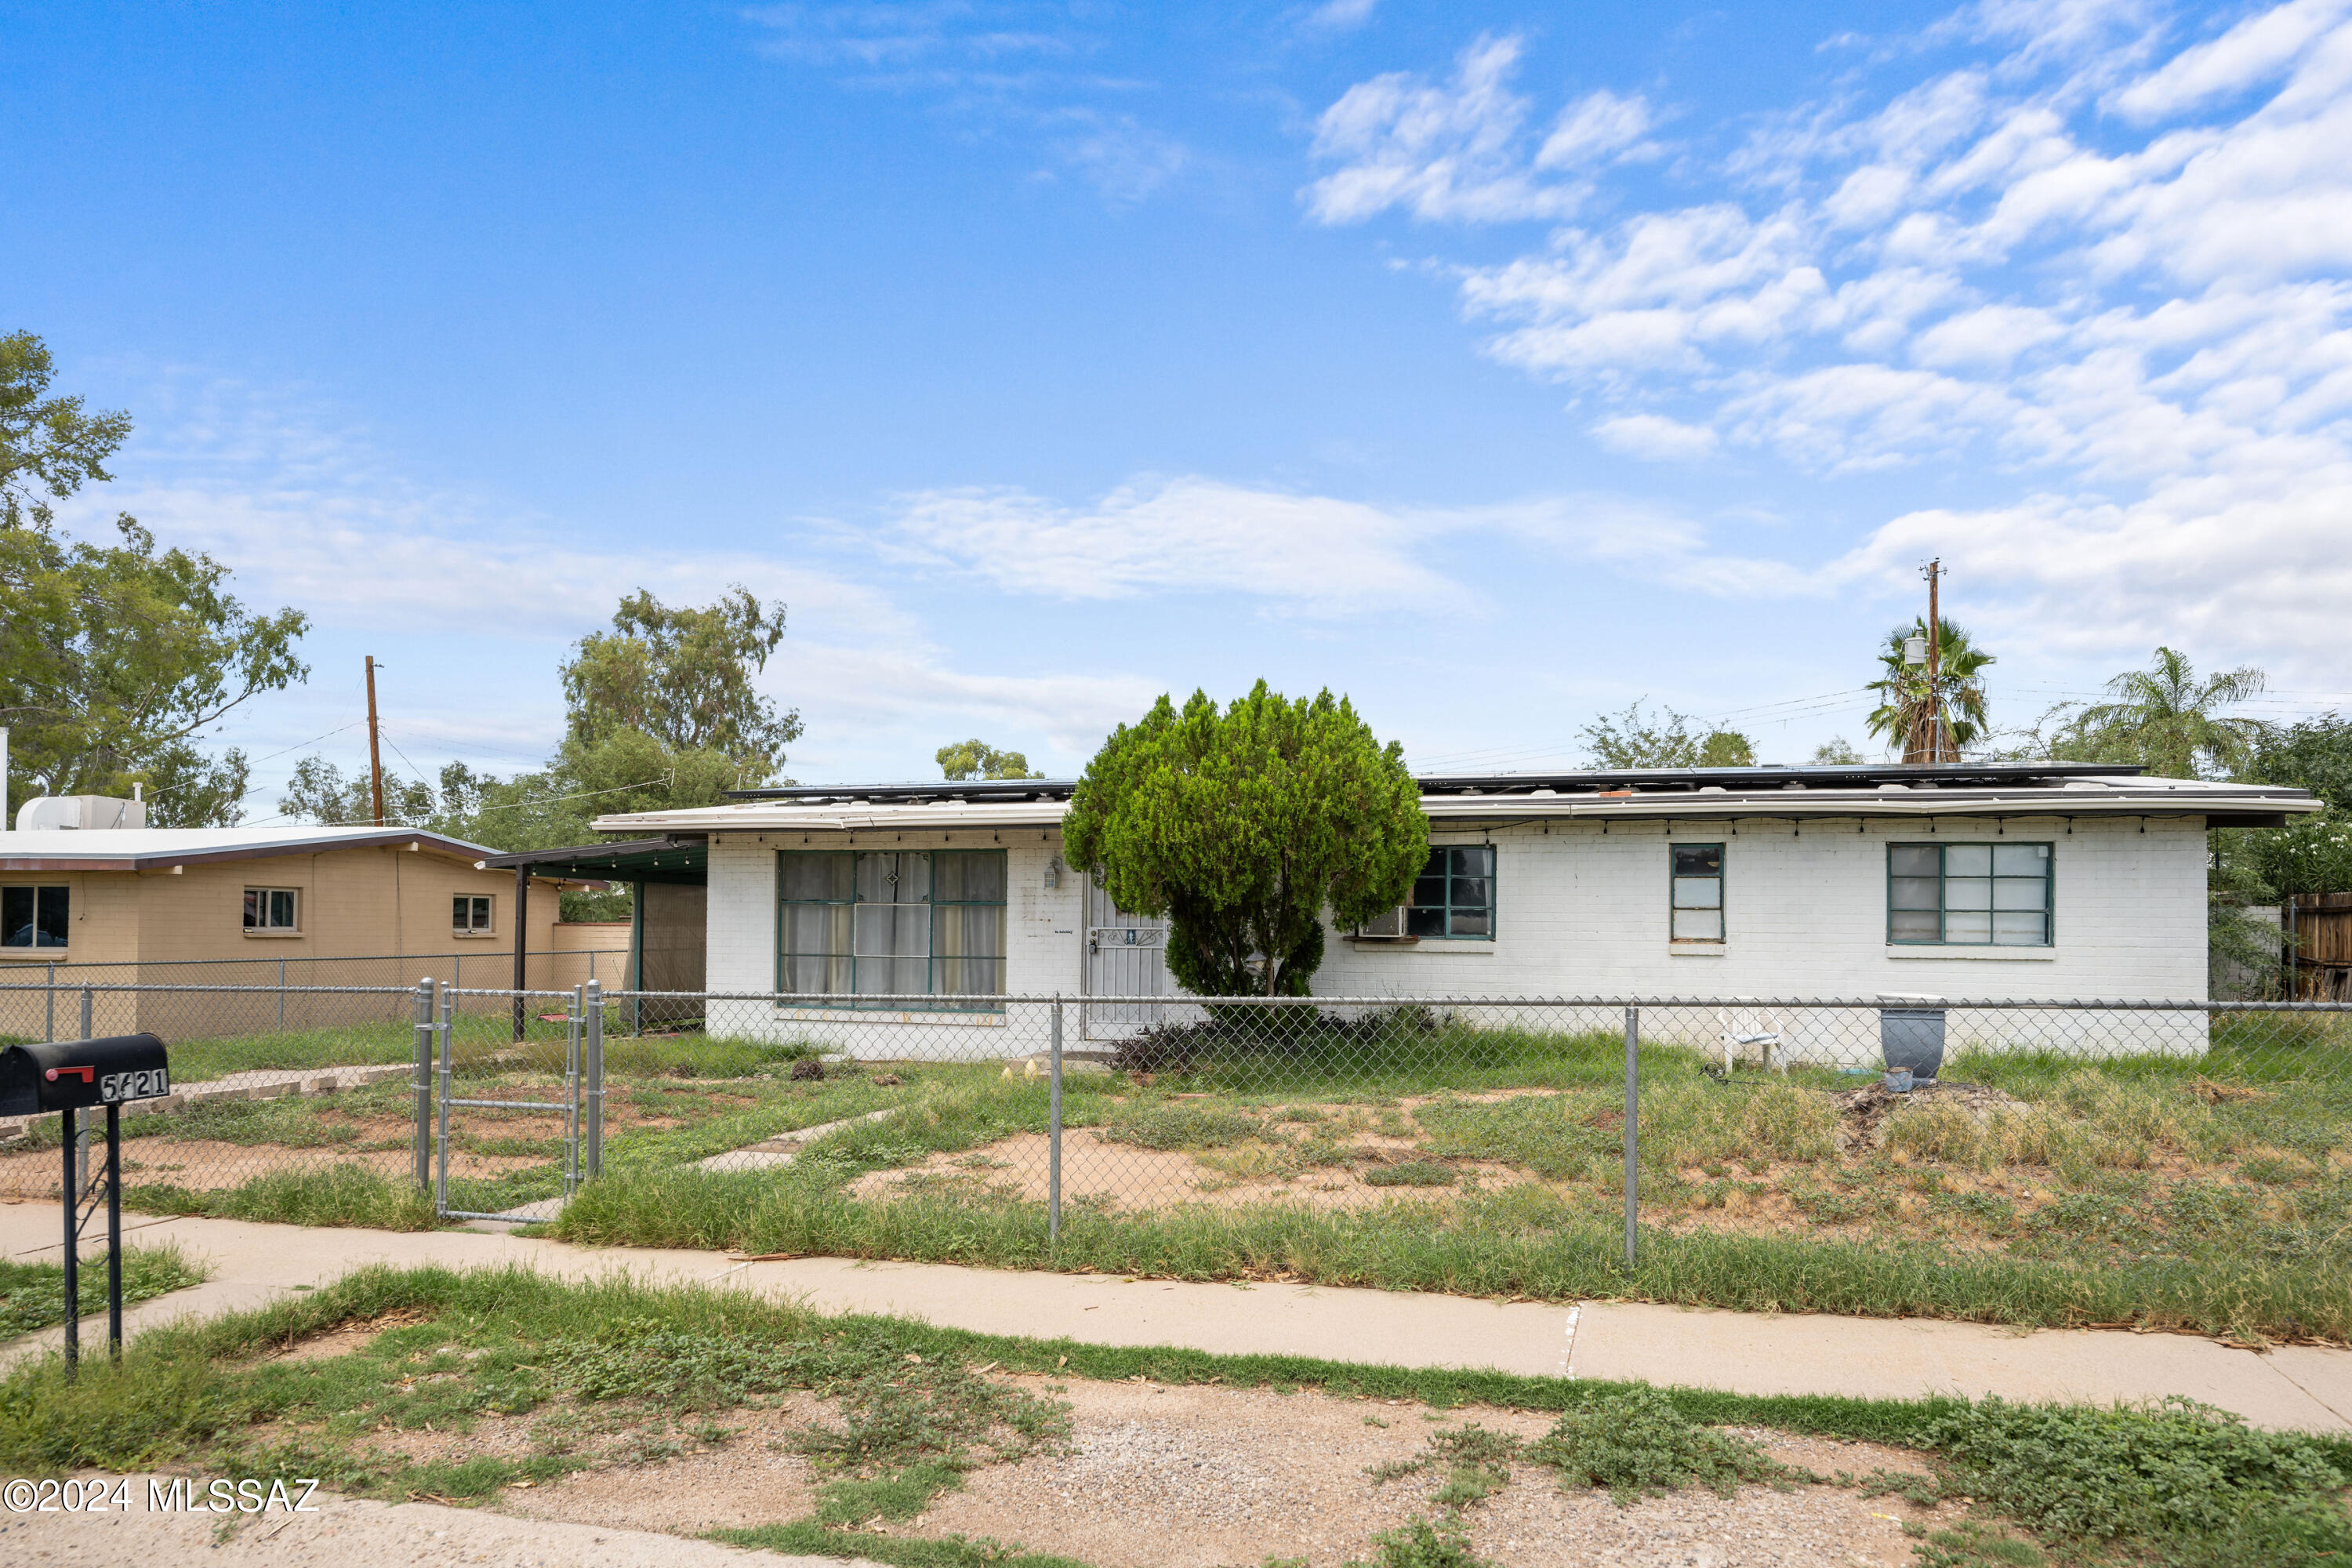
[(1453, 899), (1695, 910), (1991, 893), (871, 922)]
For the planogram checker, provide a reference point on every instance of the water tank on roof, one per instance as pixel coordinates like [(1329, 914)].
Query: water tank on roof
[(87, 812)]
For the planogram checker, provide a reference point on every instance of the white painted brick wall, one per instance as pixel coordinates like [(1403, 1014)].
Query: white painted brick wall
[(1580, 912), (1041, 936), (1583, 912)]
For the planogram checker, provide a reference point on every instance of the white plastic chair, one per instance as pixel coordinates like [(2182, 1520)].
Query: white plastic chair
[(1743, 1029)]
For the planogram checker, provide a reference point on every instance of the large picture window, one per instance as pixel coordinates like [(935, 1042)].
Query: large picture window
[(34, 917), (1455, 894), (1968, 895), (877, 923)]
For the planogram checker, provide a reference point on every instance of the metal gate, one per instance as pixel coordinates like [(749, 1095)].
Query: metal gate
[(1127, 955), (581, 1107)]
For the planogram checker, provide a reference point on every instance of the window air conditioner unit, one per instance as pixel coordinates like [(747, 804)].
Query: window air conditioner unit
[(1387, 926)]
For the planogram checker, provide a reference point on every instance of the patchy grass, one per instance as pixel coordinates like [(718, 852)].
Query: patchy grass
[(33, 1295), (618, 1368), (1511, 1241), (2210, 1191), (337, 1194)]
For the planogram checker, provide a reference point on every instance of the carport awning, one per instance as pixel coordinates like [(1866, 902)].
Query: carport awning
[(680, 857)]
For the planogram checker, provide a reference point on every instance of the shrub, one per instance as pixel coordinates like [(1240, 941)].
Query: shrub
[(2174, 1471), (1637, 1445)]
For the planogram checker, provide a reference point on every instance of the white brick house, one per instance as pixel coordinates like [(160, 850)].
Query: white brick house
[(2035, 880)]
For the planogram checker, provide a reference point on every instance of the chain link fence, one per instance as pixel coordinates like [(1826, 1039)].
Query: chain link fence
[(1718, 1111)]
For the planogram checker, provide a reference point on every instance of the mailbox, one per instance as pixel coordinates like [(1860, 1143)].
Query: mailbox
[(70, 1074)]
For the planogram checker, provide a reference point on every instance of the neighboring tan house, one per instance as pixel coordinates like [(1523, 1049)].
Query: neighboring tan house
[(86, 900)]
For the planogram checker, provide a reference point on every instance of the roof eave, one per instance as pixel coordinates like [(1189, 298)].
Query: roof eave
[(12, 858)]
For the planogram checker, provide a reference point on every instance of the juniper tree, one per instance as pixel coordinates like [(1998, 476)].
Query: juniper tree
[(1244, 826)]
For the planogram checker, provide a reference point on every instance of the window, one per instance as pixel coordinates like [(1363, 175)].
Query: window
[(1455, 894), (884, 923), (469, 915), (33, 917), (270, 909), (1995, 895), (1696, 894)]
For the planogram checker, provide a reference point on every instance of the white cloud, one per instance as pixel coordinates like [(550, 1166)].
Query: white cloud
[(315, 517), (1310, 554), (1453, 153), (1655, 438), (1593, 128), (1338, 15), (2249, 54), (2147, 334), (1123, 158), (1989, 337), (1179, 535)]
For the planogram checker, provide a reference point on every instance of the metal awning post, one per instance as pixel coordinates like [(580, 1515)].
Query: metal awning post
[(637, 957), (521, 930)]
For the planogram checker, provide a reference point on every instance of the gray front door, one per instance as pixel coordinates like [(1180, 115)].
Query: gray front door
[(1127, 955)]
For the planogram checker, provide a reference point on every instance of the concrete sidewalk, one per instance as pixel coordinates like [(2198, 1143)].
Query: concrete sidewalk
[(2294, 1387)]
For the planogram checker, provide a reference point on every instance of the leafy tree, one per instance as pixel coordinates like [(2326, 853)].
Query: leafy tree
[(2167, 721), (318, 791), (114, 657), (1836, 752), (976, 759), (2312, 855), (661, 715), (48, 446), (2242, 952), (682, 675), (1906, 713), (1243, 827), (1634, 740), (2313, 754)]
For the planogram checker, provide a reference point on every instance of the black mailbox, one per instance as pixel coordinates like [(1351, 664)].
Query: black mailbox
[(71, 1074)]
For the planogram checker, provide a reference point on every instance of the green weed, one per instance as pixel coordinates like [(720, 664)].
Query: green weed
[(1424, 1543), (1637, 1444), (33, 1295), (338, 1195), (1473, 1458), (1179, 1124), (2180, 1477), (1412, 1173)]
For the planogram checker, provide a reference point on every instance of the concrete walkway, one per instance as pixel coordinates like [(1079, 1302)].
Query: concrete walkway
[(2293, 1387)]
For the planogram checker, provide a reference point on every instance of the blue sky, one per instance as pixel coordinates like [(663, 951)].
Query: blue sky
[(1494, 365)]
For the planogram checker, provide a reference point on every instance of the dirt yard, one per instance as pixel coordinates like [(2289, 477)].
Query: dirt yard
[(1152, 1476)]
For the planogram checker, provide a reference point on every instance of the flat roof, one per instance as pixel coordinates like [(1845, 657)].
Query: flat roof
[(682, 857), (1583, 780), (1864, 790), (160, 849)]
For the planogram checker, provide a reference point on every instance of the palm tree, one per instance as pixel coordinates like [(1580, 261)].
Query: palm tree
[(1906, 715), (2164, 718)]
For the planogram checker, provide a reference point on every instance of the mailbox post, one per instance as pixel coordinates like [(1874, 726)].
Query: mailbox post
[(68, 1077)]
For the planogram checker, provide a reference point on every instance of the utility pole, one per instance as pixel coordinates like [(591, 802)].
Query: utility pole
[(375, 755), (1936, 746)]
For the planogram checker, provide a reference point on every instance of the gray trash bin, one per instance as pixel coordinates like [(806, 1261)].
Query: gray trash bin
[(1911, 1034)]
